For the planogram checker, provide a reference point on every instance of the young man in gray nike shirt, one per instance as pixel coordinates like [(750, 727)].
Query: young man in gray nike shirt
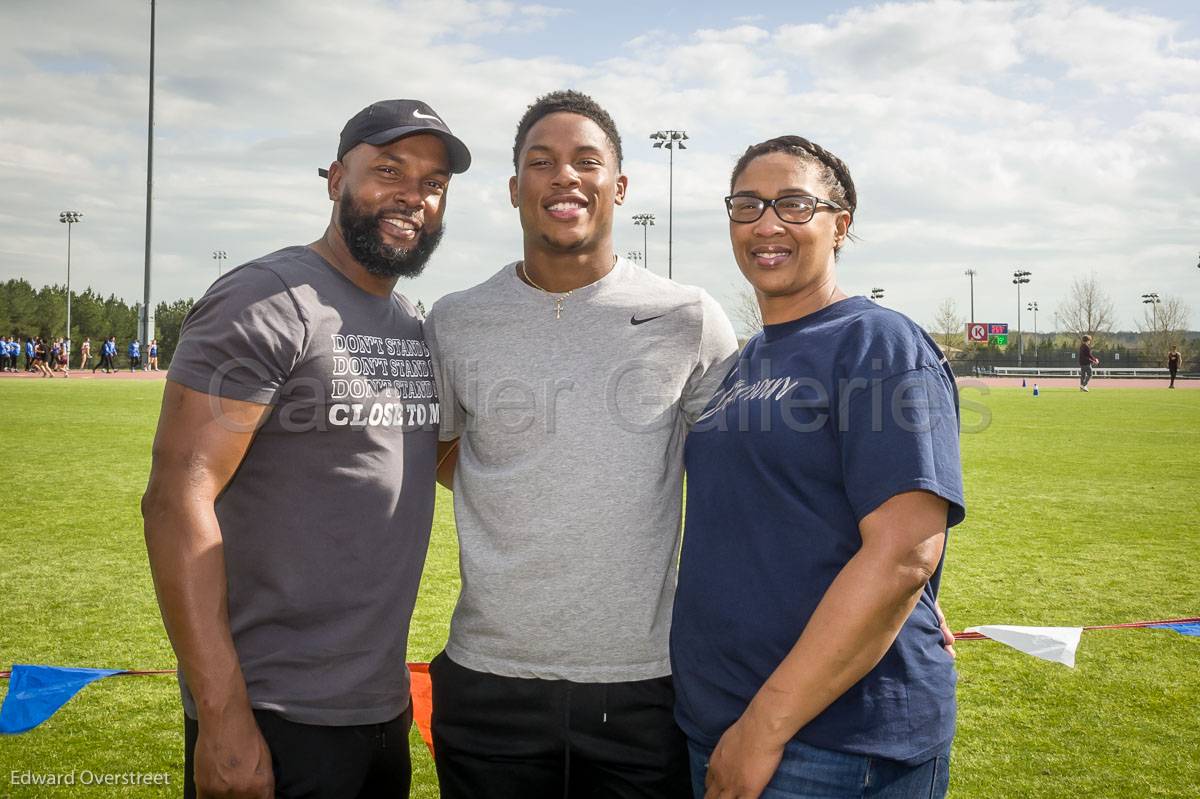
[(567, 382)]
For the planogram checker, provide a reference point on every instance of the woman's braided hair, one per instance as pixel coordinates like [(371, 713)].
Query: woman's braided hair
[(834, 172)]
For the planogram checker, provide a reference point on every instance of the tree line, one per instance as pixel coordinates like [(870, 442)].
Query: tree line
[(28, 312)]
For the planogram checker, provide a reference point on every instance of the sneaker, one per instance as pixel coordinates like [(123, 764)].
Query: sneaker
[(1083, 388)]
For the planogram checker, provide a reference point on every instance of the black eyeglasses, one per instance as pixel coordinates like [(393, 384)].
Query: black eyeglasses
[(795, 209)]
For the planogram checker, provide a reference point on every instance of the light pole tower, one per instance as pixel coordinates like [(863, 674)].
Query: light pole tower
[(69, 218), (877, 294), (1020, 278), (634, 255), (1152, 299), (147, 321), (645, 220), (219, 256), (1033, 306), (970, 273), (670, 140)]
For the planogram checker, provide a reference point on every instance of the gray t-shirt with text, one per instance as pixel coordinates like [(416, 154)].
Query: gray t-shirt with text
[(568, 488), (326, 522)]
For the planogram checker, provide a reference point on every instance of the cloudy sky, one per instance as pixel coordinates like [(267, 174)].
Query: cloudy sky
[(1058, 137)]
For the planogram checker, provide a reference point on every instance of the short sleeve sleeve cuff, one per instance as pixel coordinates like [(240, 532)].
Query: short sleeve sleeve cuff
[(451, 425), (242, 339), (717, 352), (900, 434)]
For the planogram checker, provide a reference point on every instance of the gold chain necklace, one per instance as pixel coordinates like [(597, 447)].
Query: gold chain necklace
[(558, 297)]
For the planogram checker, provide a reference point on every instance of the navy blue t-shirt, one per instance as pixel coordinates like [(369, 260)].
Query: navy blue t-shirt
[(823, 419)]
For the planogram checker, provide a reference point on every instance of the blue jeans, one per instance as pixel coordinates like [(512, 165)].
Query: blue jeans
[(807, 772)]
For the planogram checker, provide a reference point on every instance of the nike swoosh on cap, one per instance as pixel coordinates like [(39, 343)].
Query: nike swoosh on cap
[(419, 115), (633, 320)]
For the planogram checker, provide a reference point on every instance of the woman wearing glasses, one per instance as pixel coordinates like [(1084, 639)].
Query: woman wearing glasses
[(822, 478)]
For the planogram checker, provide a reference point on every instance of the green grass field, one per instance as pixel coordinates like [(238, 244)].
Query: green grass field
[(1083, 509)]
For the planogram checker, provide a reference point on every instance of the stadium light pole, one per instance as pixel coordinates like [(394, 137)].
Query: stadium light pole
[(148, 319), (1033, 306), (645, 220), (219, 256), (970, 273), (1020, 278), (670, 140), (69, 218), (876, 294), (634, 255), (1152, 299)]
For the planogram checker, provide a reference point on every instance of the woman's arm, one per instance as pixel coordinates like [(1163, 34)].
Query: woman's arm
[(851, 629)]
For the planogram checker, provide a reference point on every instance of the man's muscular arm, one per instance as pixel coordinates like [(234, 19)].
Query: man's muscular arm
[(200, 443)]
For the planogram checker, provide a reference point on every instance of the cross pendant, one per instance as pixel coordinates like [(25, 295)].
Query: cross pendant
[(558, 307)]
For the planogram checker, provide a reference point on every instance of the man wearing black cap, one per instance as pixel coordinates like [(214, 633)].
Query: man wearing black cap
[(291, 495)]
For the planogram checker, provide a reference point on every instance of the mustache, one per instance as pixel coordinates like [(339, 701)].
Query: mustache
[(416, 217)]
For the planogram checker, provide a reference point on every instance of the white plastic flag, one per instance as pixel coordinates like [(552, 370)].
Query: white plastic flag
[(1056, 644)]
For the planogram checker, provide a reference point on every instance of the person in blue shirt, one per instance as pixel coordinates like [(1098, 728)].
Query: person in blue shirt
[(4, 353), (29, 353), (108, 351), (152, 353), (135, 355), (807, 647)]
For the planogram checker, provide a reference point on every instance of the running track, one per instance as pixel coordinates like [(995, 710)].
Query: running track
[(1097, 383), (87, 375)]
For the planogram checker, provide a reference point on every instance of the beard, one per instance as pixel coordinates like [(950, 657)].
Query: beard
[(360, 229)]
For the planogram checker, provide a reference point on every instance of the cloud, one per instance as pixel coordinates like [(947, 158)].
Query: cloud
[(1058, 136), (969, 42), (1113, 51)]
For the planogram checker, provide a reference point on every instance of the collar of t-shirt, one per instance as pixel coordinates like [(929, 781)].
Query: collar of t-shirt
[(837, 309)]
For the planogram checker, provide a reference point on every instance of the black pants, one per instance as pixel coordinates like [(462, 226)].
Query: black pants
[(504, 738), (104, 363), (362, 762), (1173, 371)]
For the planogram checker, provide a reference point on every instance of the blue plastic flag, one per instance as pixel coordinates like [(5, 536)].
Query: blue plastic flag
[(35, 693), (1183, 628)]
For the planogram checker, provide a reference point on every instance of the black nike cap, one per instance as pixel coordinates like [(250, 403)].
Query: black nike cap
[(388, 120)]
